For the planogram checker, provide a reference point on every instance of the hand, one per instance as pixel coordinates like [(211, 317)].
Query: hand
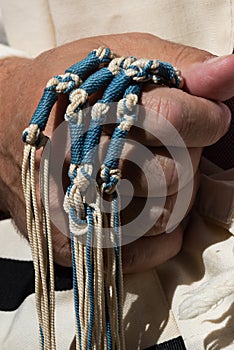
[(199, 121)]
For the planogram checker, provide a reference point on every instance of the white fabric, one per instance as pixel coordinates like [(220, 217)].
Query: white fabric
[(34, 26), (20, 329), (202, 272), (6, 51), (13, 245), (213, 189), (147, 316), (28, 25), (205, 24)]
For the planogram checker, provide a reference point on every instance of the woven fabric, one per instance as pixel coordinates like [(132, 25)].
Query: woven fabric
[(173, 344)]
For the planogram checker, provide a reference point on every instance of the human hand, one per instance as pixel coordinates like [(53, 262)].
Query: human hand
[(199, 121)]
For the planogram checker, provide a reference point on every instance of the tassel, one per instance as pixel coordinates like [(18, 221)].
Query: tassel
[(95, 240)]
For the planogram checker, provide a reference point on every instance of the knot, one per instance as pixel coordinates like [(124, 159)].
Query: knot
[(110, 179), (127, 105), (128, 61), (64, 83), (33, 136), (99, 110), (140, 70), (126, 112), (75, 198), (78, 97), (74, 207), (83, 177), (126, 123), (120, 63), (168, 75), (154, 64), (115, 65), (143, 70), (104, 54)]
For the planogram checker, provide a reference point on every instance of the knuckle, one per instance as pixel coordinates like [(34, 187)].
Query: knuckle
[(168, 106), (216, 128), (171, 175), (177, 242), (183, 55), (161, 224), (129, 258)]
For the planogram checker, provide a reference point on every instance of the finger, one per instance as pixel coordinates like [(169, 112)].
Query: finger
[(148, 252), (199, 122), (150, 216), (213, 78), (203, 77), (168, 116), (152, 176), (153, 171), (204, 74)]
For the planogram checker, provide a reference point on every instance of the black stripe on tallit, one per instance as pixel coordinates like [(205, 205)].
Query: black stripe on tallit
[(17, 282), (172, 344)]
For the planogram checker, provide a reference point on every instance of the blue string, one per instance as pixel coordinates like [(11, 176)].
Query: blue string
[(113, 93), (77, 139), (42, 337), (117, 141), (91, 141), (97, 80), (115, 147), (92, 84), (41, 114), (166, 71), (143, 71), (116, 88), (63, 79), (89, 63), (166, 75)]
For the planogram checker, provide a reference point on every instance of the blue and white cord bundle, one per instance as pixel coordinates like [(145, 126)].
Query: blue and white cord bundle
[(98, 295)]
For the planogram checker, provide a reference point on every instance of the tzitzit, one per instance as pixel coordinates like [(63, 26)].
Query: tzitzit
[(98, 294)]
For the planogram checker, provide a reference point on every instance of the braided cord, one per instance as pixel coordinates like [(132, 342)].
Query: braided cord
[(101, 108)]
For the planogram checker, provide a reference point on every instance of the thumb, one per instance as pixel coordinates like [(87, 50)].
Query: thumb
[(212, 78)]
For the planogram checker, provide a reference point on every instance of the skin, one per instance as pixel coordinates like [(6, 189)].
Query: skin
[(197, 113)]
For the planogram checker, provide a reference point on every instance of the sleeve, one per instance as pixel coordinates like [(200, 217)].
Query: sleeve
[(28, 25), (6, 51), (216, 195)]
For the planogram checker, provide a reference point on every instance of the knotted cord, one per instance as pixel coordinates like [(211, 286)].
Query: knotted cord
[(98, 287)]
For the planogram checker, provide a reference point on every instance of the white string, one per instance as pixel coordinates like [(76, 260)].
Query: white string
[(38, 242), (44, 192)]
